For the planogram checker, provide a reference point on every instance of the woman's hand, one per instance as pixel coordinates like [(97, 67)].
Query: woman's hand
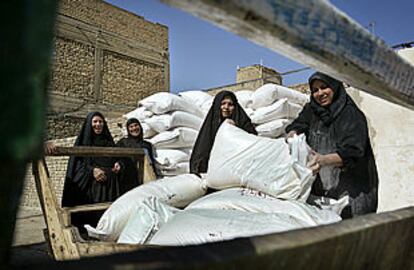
[(116, 168), (315, 162), (230, 121), (99, 175), (291, 134)]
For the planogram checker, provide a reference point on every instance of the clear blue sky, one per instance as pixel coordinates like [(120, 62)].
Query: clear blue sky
[(204, 56)]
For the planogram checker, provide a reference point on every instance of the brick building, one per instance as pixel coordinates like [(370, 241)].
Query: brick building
[(105, 59)]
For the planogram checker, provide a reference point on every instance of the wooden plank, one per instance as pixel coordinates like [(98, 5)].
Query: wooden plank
[(88, 151), (318, 35), (60, 241)]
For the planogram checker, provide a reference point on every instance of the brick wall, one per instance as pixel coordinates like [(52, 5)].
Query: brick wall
[(105, 59)]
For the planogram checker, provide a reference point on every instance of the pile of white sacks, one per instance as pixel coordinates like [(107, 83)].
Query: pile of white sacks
[(263, 187), (171, 122)]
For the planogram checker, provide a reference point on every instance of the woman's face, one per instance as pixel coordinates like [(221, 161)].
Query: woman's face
[(97, 124), (322, 93), (226, 107), (134, 129)]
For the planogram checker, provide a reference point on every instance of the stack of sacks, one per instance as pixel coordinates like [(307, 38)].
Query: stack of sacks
[(254, 200), (176, 191), (272, 107), (171, 122)]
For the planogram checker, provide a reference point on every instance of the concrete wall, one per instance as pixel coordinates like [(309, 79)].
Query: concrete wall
[(104, 58), (391, 131)]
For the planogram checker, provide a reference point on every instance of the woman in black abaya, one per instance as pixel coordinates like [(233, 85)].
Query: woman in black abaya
[(135, 139), (91, 179), (337, 130), (225, 106)]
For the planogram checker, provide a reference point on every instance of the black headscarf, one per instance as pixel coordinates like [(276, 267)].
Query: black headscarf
[(202, 148), (135, 142), (330, 112)]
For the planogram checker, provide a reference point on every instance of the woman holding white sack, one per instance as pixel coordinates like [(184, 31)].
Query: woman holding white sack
[(225, 107), (337, 130)]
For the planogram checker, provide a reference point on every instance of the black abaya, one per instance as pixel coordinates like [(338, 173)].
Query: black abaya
[(205, 140), (341, 128)]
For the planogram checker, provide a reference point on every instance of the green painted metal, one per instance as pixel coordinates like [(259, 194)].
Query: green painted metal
[(26, 29)]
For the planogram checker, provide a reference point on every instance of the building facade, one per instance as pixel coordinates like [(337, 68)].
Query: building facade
[(105, 59)]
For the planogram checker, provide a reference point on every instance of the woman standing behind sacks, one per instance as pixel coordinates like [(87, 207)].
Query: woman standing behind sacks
[(225, 106), (337, 130), (135, 139), (92, 179)]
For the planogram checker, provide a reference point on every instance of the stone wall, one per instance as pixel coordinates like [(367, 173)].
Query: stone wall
[(105, 59), (254, 72)]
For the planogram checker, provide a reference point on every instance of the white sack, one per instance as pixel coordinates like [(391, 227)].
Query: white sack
[(249, 200), (170, 157), (141, 113), (244, 97), (328, 203), (175, 191), (198, 226), (164, 122), (280, 109), (273, 129), (148, 132), (181, 137), (242, 159), (205, 107), (150, 216), (196, 97), (268, 93), (177, 169), (164, 102)]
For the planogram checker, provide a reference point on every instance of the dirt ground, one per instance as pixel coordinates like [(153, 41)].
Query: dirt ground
[(29, 246)]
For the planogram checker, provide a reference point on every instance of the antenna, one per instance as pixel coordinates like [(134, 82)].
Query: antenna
[(371, 26)]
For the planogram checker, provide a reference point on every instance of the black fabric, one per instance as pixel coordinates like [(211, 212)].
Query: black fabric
[(341, 128), (202, 148), (129, 173), (80, 186)]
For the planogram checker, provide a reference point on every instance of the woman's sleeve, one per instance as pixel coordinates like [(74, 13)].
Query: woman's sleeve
[(301, 123), (83, 173), (352, 136)]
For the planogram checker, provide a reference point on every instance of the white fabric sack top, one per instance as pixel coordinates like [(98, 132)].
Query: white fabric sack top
[(164, 102), (177, 169), (244, 97), (140, 113), (268, 93), (150, 216), (196, 97), (205, 107), (181, 137), (175, 191), (171, 157), (273, 129), (198, 226), (328, 203), (164, 122), (148, 131), (240, 159), (249, 200), (280, 109)]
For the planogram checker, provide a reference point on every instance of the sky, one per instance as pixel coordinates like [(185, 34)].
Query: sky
[(203, 56)]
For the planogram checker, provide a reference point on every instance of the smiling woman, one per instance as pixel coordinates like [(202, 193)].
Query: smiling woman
[(91, 179), (225, 107), (337, 131)]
